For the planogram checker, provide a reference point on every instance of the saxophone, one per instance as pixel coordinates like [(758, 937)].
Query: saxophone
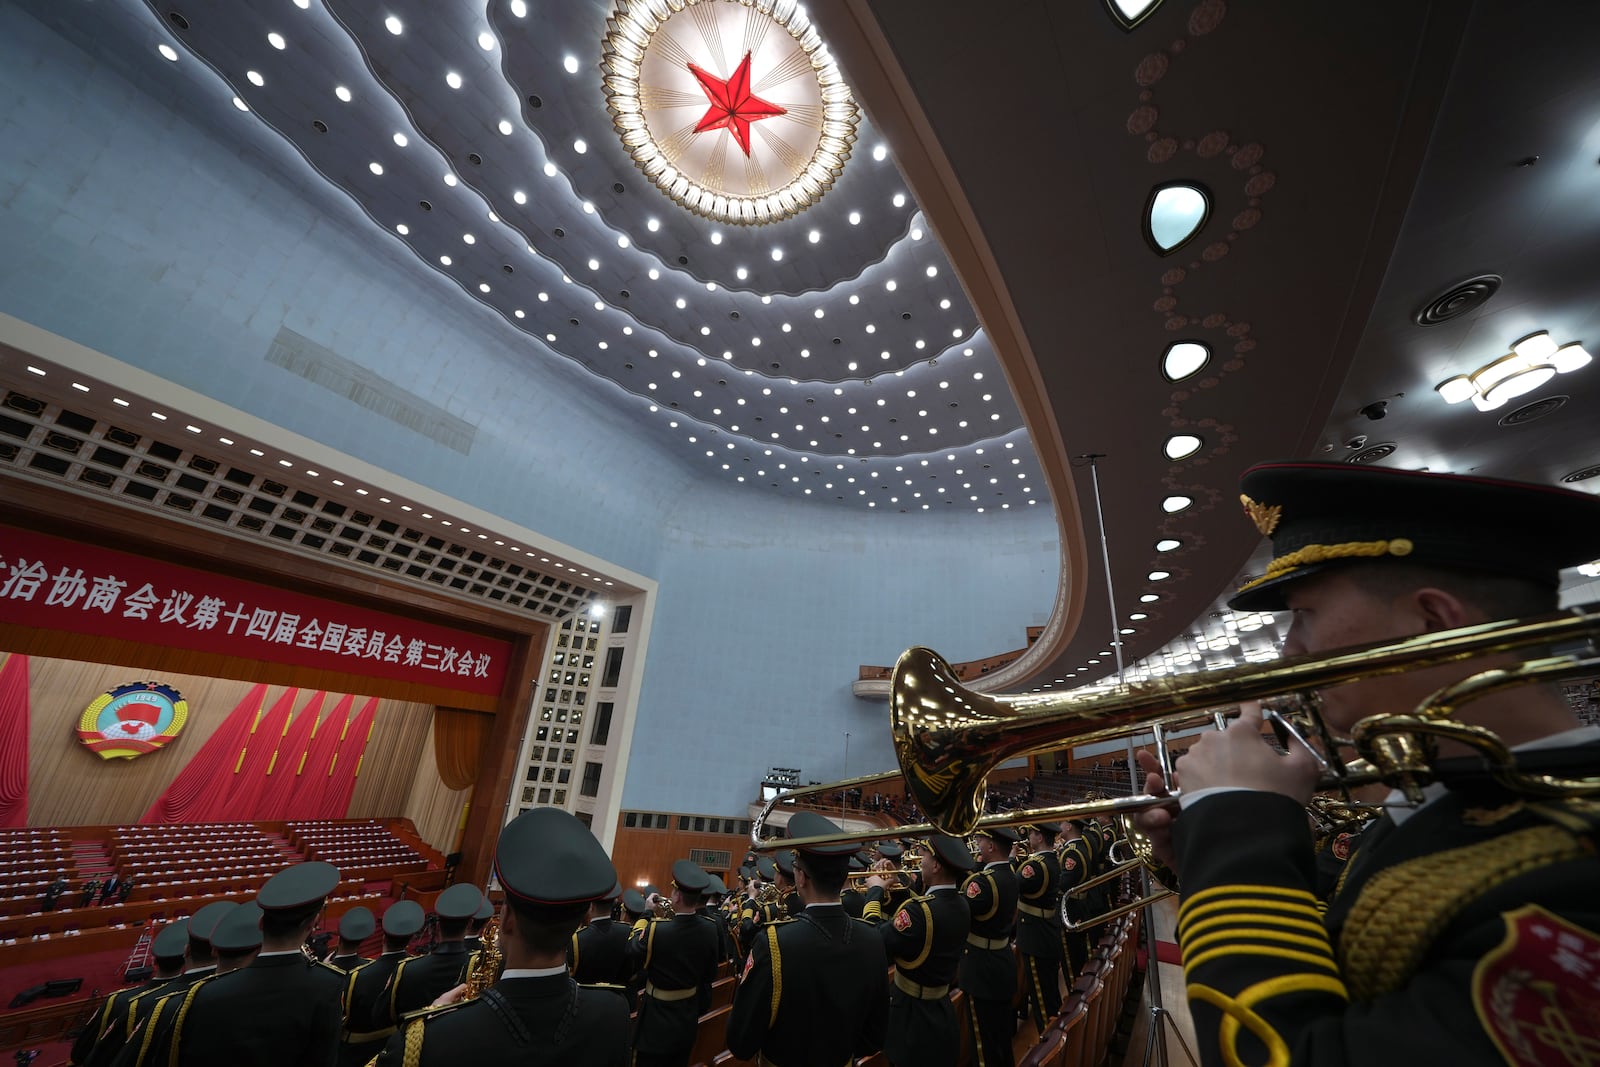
[(484, 970)]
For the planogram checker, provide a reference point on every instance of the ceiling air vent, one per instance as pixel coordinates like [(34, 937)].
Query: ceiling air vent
[(1457, 300), (1582, 474), (1373, 453), (1536, 410)]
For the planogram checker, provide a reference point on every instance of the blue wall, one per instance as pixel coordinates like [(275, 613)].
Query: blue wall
[(134, 229)]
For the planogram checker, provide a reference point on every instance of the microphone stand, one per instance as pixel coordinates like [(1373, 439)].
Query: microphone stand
[(1155, 1048)]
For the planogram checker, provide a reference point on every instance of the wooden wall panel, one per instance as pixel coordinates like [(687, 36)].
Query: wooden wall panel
[(648, 855), (71, 786)]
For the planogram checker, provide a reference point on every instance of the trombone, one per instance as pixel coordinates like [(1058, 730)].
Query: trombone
[(948, 738)]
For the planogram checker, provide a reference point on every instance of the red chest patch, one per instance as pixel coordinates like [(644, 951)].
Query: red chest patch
[(1538, 993), (902, 920)]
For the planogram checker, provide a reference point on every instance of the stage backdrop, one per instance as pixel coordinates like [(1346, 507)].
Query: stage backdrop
[(69, 785)]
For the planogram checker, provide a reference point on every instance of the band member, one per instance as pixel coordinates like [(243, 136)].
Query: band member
[(989, 970), (279, 1008), (534, 1013), (419, 980), (1466, 928), (103, 1036), (598, 955), (1039, 923), (925, 940), (814, 990), (678, 957), (711, 908), (480, 918), (1076, 855), (369, 985), (355, 926)]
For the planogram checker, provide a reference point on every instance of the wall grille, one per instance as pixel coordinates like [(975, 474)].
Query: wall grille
[(43, 440)]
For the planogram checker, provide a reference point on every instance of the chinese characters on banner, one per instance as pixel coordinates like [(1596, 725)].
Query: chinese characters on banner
[(54, 584)]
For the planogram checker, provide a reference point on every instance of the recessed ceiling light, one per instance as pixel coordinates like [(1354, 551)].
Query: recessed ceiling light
[(1159, 576), (855, 218), (167, 52), (376, 168), (276, 40), (1174, 504), (450, 179), (1181, 446), (393, 25), (255, 78), (452, 79), (1138, 616), (1149, 598), (550, 170), (1168, 544), (814, 236), (1184, 359), (519, 8), (445, 260), (505, 127), (933, 272), (1176, 213), (571, 63), (486, 41), (777, 255), (342, 93)]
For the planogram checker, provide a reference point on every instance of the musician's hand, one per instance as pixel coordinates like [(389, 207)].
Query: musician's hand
[(1156, 823), (878, 881), (1240, 758), (450, 996)]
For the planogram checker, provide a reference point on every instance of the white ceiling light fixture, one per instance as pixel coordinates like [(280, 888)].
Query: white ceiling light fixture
[(1174, 504), (342, 93), (394, 25), (1181, 446), (276, 40), (240, 104), (1168, 544), (1531, 363), (1184, 359), (570, 63), (486, 41), (452, 79), (1175, 213), (255, 78), (519, 8), (168, 53)]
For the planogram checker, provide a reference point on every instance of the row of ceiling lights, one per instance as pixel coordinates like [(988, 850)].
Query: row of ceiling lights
[(309, 472)]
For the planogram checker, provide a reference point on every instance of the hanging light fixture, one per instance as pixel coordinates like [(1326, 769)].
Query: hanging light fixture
[(1532, 362)]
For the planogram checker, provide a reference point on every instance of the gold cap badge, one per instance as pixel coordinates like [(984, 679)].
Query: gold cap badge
[(1265, 516)]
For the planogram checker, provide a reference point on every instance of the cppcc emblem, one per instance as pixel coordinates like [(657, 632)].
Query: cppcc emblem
[(132, 719)]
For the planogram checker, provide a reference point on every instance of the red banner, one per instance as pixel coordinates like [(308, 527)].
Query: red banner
[(53, 584)]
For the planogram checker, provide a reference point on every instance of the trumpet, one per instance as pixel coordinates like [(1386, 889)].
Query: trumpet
[(948, 738)]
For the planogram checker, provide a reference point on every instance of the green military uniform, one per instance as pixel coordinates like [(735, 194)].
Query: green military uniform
[(599, 955), (550, 867), (814, 990), (988, 973), (355, 926), (925, 940), (108, 1030), (420, 980), (1039, 931), (1077, 866), (678, 957)]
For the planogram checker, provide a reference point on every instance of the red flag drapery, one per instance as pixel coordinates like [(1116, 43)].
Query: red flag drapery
[(14, 741), (306, 800), (200, 790), (250, 772), (279, 789), (347, 763)]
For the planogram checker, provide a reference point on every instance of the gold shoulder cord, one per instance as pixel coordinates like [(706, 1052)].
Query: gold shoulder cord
[(413, 1055), (1401, 910), (777, 974)]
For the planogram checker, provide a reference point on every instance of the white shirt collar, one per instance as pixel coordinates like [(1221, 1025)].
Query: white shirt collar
[(533, 972)]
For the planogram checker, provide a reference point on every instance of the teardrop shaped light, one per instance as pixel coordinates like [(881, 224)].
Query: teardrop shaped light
[(1176, 213), (1184, 359)]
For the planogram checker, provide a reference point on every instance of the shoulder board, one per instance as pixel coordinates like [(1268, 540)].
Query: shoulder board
[(603, 985), (340, 971), (429, 1012), (786, 920)]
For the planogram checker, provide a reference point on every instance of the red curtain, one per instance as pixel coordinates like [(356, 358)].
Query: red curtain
[(347, 763), (200, 790), (279, 789), (306, 801), (250, 773), (14, 741)]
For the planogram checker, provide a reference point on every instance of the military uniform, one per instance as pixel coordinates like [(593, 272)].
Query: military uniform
[(421, 980), (599, 955), (117, 1018), (548, 864), (988, 973), (1464, 931), (1077, 866), (925, 940), (678, 958), (814, 990), (1039, 933)]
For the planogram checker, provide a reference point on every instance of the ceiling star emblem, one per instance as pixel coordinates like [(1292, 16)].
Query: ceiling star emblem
[(733, 106)]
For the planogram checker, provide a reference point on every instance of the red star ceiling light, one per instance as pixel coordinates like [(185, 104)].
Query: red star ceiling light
[(789, 116), (733, 106)]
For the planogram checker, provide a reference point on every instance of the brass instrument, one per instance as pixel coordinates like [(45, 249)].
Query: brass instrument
[(1140, 853), (948, 738), (661, 905), (485, 962)]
